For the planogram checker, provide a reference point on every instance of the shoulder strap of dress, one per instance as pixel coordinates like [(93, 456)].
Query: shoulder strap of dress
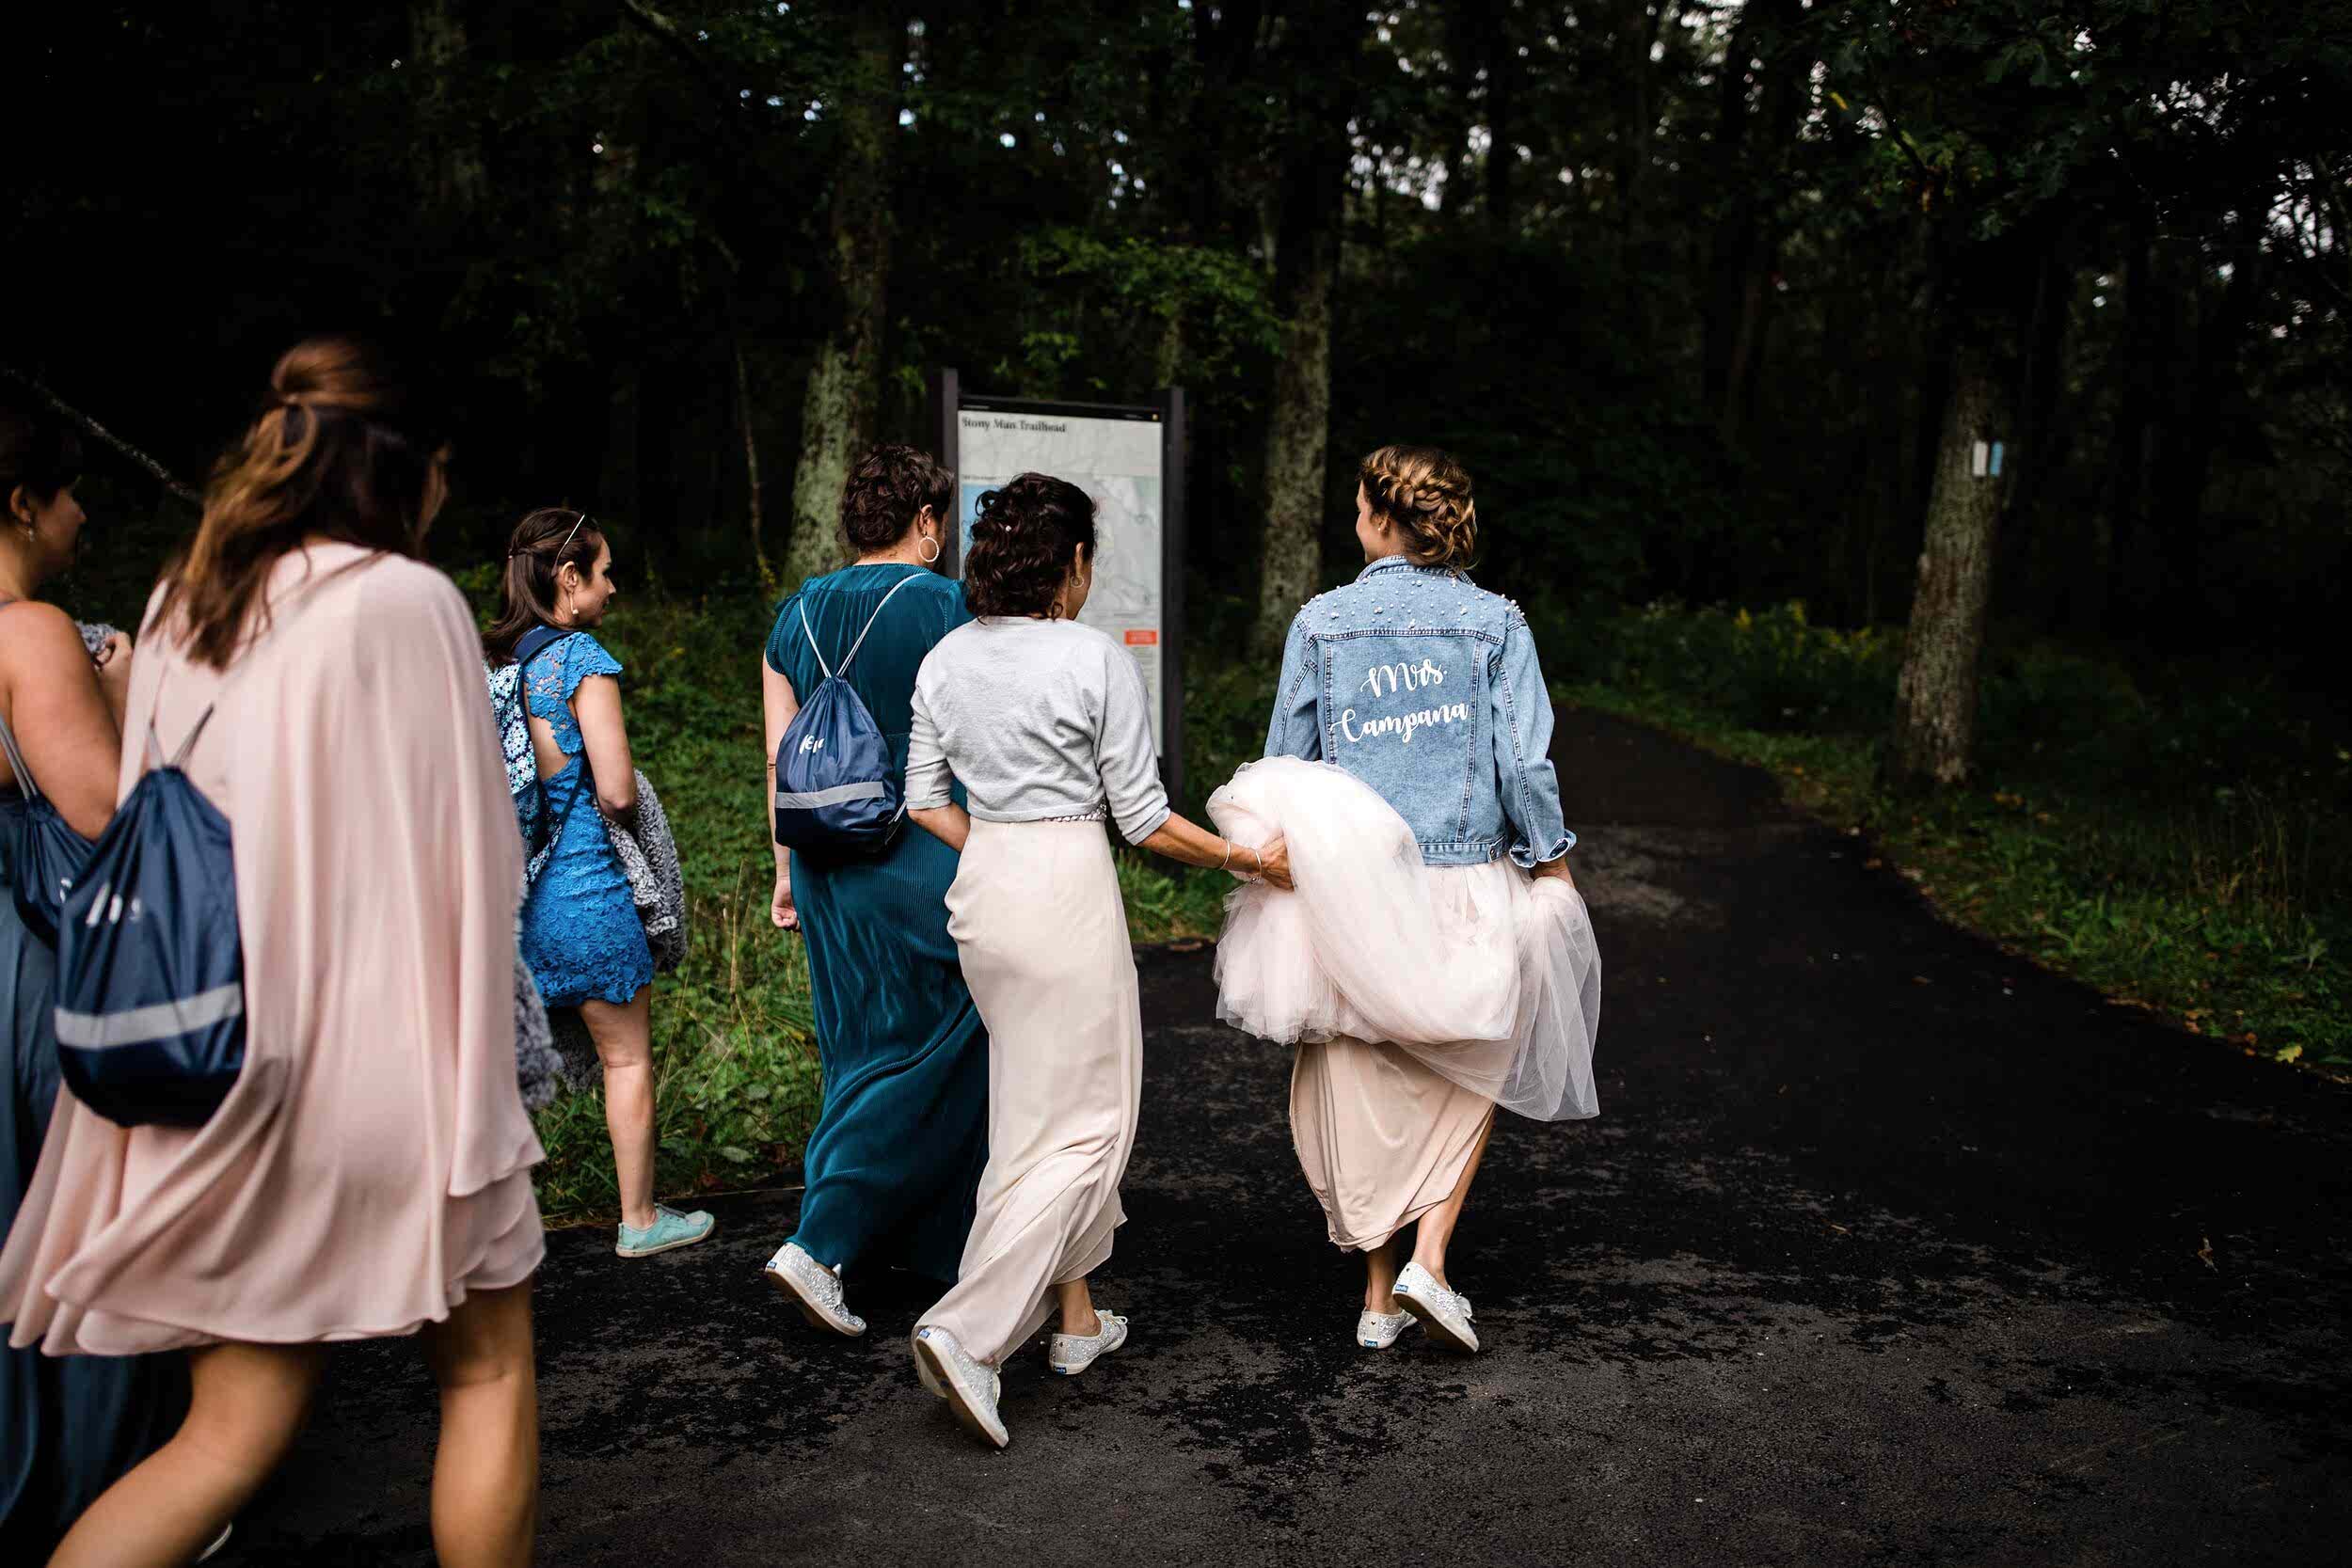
[(8, 740), (16, 763)]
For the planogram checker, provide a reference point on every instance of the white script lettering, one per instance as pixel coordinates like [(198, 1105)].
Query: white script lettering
[(1409, 677), (1401, 725)]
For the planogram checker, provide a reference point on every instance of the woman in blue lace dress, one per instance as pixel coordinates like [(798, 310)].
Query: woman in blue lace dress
[(581, 934)]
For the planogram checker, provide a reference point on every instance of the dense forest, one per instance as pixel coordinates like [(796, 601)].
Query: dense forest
[(1717, 300)]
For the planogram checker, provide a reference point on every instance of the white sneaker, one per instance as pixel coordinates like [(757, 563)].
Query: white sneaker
[(970, 1389), (1378, 1330), (1445, 1313), (1072, 1353), (816, 1288)]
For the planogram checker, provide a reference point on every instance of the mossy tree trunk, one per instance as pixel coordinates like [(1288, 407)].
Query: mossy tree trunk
[(1313, 199), (1935, 694), (447, 139), (845, 379)]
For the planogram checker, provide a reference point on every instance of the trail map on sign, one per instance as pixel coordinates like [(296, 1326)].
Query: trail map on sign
[(1118, 463)]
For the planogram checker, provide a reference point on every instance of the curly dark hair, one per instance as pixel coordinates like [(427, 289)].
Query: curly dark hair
[(888, 488), (1021, 540)]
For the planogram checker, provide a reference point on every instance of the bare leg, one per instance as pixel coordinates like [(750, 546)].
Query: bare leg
[(485, 1473), (623, 1037), (1381, 1264), (246, 1404), (1436, 1226), (1077, 1308)]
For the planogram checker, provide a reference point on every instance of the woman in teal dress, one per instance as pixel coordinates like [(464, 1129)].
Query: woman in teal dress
[(69, 1425), (896, 1158)]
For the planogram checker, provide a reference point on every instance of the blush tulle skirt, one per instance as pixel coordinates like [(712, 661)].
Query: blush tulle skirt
[(1487, 976), (1420, 997)]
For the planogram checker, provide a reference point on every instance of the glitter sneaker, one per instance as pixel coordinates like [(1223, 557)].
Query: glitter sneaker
[(1072, 1353), (1378, 1330), (1445, 1313), (970, 1389), (816, 1289)]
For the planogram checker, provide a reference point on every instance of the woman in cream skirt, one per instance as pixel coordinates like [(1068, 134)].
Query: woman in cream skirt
[(1046, 724), (1436, 961)]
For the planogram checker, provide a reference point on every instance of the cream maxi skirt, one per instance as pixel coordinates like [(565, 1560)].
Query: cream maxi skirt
[(1420, 997), (1038, 921)]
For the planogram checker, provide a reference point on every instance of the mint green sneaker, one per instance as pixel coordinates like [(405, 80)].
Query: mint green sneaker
[(669, 1229)]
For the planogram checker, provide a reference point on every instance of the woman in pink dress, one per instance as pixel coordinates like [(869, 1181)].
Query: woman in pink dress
[(369, 1173)]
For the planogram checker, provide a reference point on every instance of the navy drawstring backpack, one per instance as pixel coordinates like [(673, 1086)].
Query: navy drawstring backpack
[(151, 962), (837, 790), (47, 854)]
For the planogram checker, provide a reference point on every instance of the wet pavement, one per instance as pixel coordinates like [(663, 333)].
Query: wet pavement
[(1886, 1247)]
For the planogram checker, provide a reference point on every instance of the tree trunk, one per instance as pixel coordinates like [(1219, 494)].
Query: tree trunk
[(845, 381), (1750, 148), (452, 182), (1290, 559), (2207, 397), (1935, 695), (618, 490), (1321, 50), (1500, 61), (2121, 551), (744, 418)]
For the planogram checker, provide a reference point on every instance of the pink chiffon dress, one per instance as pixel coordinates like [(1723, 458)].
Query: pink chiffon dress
[(372, 1167)]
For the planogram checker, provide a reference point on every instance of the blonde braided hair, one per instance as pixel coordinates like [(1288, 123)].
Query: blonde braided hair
[(1426, 495)]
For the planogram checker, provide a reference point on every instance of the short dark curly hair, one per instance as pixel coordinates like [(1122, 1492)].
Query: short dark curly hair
[(1022, 539), (887, 488)]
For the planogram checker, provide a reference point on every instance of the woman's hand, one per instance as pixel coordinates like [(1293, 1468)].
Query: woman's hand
[(1182, 840), (1273, 862), (951, 825), (1557, 870), (780, 909), (113, 659)]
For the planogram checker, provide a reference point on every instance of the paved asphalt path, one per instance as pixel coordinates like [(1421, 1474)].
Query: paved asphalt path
[(1886, 1248)]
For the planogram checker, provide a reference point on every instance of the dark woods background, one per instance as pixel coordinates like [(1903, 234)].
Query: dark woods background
[(1687, 285)]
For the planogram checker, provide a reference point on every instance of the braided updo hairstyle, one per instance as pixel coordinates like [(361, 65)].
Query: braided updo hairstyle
[(1424, 495), (1022, 537)]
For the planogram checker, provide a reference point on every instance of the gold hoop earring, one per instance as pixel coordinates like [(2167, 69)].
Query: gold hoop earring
[(933, 559)]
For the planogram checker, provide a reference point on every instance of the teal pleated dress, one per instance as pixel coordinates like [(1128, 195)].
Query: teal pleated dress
[(896, 1158)]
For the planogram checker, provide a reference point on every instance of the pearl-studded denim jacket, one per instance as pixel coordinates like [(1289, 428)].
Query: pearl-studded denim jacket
[(1426, 686)]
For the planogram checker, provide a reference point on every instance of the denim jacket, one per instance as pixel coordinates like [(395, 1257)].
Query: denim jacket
[(1426, 686)]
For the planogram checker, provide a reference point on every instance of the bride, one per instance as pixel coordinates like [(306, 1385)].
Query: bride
[(1435, 961)]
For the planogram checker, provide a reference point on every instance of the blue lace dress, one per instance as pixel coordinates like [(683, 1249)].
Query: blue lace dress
[(580, 933)]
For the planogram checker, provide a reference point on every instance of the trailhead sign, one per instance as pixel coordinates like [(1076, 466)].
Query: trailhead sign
[(1130, 459)]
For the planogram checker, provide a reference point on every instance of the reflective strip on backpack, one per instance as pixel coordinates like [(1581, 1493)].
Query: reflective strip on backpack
[(811, 800), (163, 1020)]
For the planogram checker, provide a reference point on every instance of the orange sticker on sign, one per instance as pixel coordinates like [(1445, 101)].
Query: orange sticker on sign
[(1143, 638)]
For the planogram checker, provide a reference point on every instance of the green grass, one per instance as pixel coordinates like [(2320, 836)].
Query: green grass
[(2181, 846)]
